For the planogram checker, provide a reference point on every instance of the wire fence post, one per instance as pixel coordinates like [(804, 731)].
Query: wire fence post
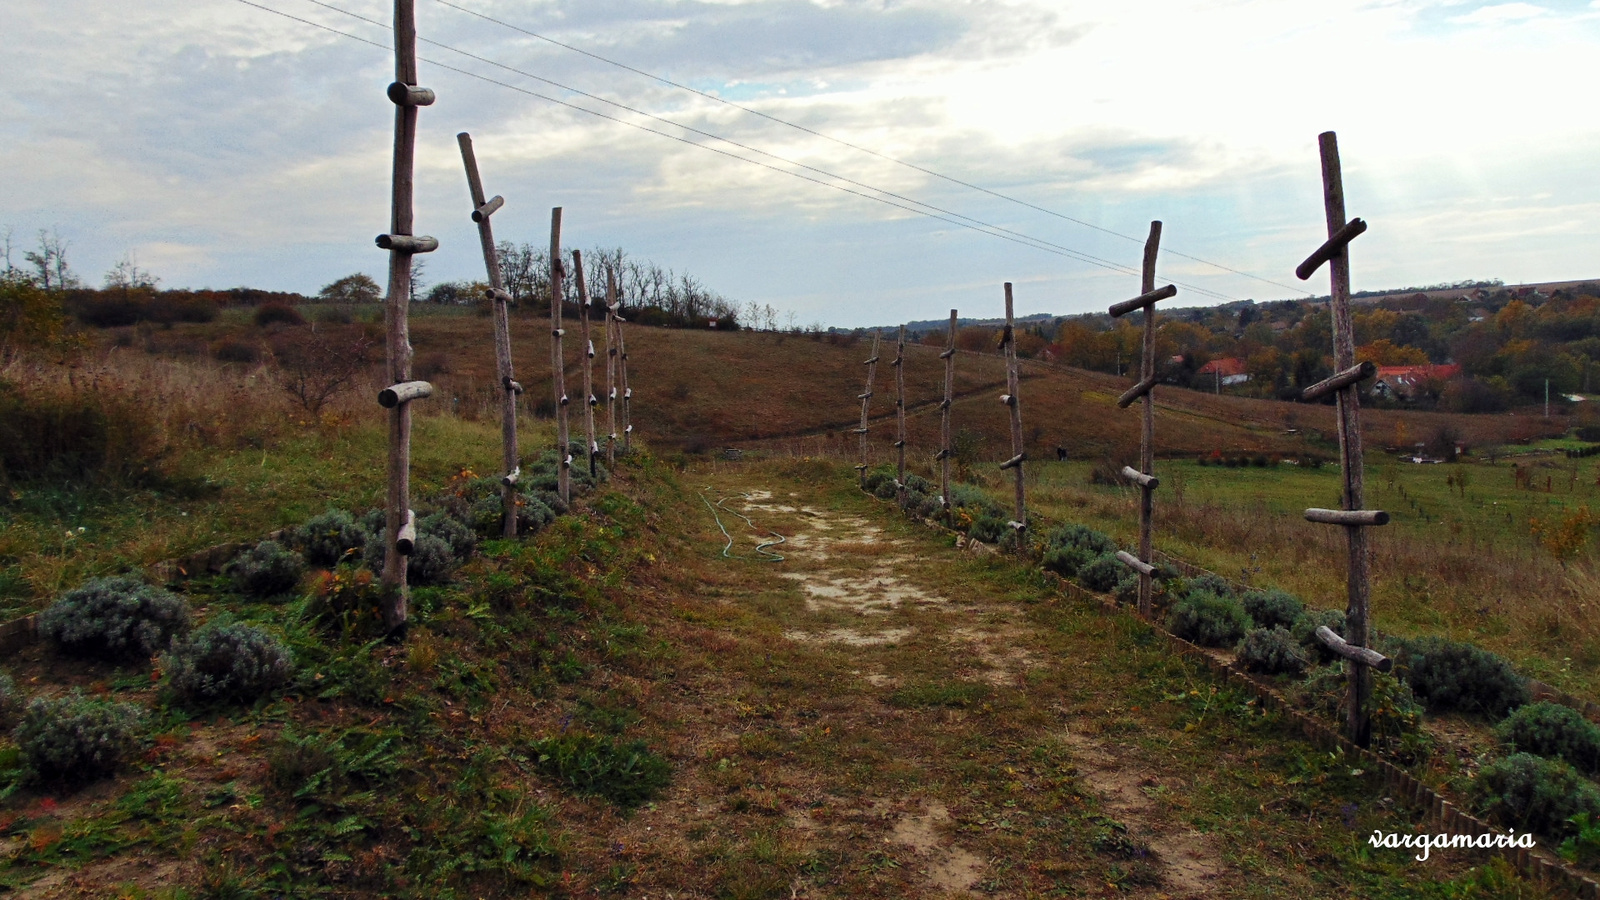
[(1346, 382), (1145, 476), (399, 522), (591, 447), (900, 417), (866, 404), (627, 387), (499, 300), (1008, 343), (558, 361), (949, 357)]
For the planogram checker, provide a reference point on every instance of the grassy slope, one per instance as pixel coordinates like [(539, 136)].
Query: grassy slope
[(792, 773)]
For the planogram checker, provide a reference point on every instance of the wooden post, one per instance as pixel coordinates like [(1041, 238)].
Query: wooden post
[(396, 308), (627, 388), (589, 399), (558, 361), (866, 403), (949, 355), (1008, 341), (1335, 251), (900, 416), (482, 209), (1149, 295), (611, 367)]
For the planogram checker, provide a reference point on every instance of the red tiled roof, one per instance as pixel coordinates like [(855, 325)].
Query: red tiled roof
[(1419, 373), (1226, 367)]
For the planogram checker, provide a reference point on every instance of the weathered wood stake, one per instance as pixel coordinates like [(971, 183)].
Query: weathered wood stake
[(900, 416), (949, 357), (499, 300), (402, 245), (1145, 478), (611, 367), (866, 404), (1008, 341), (589, 399), (627, 387), (558, 361), (1335, 251)]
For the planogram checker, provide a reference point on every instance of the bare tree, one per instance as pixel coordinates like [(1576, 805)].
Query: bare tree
[(126, 275), (49, 262), (314, 367)]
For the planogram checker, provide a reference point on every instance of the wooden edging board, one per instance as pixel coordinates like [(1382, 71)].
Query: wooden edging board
[(1536, 863)]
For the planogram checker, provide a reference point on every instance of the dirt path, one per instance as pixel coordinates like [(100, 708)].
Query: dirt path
[(861, 588)]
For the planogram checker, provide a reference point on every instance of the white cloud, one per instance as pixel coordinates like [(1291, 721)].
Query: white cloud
[(1501, 13)]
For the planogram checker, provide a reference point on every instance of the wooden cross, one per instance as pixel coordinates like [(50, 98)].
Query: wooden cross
[(590, 401), (558, 361), (627, 386), (1349, 375), (1144, 476), (900, 416), (1008, 343), (499, 299), (866, 404), (399, 521), (949, 357)]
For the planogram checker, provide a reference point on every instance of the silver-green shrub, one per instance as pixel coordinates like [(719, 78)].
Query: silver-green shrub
[(120, 618), (266, 569), (330, 538), (1272, 651), (75, 739), (1550, 729), (1272, 607), (1208, 619), (227, 662)]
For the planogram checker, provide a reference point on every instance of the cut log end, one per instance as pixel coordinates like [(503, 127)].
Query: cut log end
[(1148, 482), (1330, 248), (1365, 656), (482, 213), (1348, 517), (1118, 310), (511, 478), (1013, 462), (409, 95), (407, 243), (405, 543), (1134, 563), (404, 392)]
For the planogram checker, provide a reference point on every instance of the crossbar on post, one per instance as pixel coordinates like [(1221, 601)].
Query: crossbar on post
[(499, 301), (900, 417), (611, 366)]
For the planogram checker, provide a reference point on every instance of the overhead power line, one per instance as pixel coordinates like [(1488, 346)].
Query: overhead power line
[(857, 147), (978, 224)]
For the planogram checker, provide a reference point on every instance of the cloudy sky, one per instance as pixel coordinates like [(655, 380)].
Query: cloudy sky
[(223, 144)]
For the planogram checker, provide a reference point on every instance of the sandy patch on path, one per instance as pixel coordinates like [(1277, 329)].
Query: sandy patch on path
[(1188, 860), (948, 867)]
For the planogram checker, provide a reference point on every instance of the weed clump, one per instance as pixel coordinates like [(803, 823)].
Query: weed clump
[(1208, 619), (1272, 651), (1448, 675), (626, 774), (330, 538), (120, 617), (1393, 712), (227, 662), (1208, 583), (1272, 608), (978, 504), (1102, 573), (1541, 795), (266, 569), (76, 740), (1551, 730), (987, 529)]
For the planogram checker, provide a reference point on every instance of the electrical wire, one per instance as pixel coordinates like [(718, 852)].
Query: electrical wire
[(945, 214), (844, 143), (992, 231)]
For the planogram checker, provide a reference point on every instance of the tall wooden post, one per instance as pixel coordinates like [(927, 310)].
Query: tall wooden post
[(1335, 252), (402, 245), (499, 300), (558, 360), (627, 387), (1008, 342), (949, 357), (611, 366), (589, 399), (866, 404), (900, 416), (1145, 476)]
